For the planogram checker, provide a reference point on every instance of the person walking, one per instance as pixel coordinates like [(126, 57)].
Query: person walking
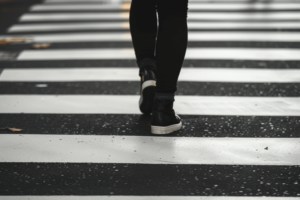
[(160, 51)]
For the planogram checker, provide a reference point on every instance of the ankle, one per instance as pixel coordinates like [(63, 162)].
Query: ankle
[(163, 105), (164, 120), (147, 64)]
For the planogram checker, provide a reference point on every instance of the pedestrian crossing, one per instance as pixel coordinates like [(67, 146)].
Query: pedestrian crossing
[(84, 137)]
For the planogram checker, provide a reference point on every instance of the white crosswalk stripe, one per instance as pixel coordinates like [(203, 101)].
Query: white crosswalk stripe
[(129, 74), (126, 104), (192, 53), (97, 145), (134, 149), (193, 37), (66, 26)]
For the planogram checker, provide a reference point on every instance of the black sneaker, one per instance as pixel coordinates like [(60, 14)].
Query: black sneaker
[(148, 83), (164, 120)]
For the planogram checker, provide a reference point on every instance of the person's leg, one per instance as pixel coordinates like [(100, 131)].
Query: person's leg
[(143, 28), (170, 52), (171, 45)]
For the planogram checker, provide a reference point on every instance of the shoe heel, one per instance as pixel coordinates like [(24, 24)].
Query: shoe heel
[(146, 99)]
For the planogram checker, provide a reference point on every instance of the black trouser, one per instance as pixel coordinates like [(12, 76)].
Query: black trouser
[(167, 45)]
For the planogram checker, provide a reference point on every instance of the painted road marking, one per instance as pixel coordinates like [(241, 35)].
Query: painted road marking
[(130, 74), (127, 104), (125, 26), (192, 6), (273, 54), (191, 16), (193, 37), (139, 149)]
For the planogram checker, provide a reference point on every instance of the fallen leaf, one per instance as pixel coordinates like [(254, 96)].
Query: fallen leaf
[(3, 41), (10, 40), (15, 129), (41, 46)]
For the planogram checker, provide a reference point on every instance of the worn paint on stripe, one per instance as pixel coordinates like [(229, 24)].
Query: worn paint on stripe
[(136, 149), (130, 74), (272, 54), (127, 104), (8, 55), (125, 15), (203, 6), (193, 37)]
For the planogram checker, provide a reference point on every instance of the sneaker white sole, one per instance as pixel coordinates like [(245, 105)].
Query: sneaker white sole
[(148, 83), (162, 130)]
